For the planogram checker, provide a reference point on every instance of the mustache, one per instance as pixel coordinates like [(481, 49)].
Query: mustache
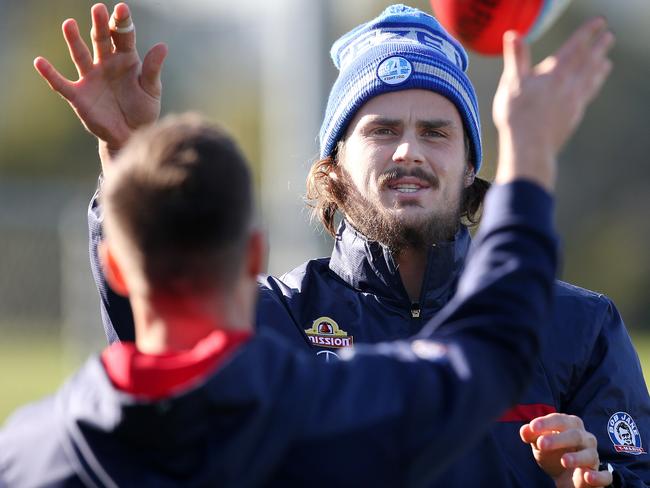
[(392, 174)]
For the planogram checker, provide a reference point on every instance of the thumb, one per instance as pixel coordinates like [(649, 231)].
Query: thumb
[(151, 69), (516, 55)]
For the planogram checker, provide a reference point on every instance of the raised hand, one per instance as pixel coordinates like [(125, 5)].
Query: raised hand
[(536, 109), (565, 451), (116, 92)]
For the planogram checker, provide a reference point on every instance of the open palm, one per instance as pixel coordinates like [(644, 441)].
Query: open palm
[(116, 92)]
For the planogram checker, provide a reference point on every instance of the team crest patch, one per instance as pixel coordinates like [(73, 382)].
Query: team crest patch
[(325, 332), (624, 434)]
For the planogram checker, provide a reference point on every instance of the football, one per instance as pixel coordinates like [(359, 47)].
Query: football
[(479, 24)]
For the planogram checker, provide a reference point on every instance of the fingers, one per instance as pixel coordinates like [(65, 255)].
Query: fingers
[(571, 439), (57, 82), (586, 458), (100, 33), (595, 478), (603, 43), (560, 431), (527, 435), (516, 55), (122, 29), (599, 66), (584, 56), (574, 48), (151, 69), (79, 51), (557, 422)]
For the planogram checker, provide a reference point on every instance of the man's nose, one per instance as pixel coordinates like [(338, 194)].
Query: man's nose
[(408, 151)]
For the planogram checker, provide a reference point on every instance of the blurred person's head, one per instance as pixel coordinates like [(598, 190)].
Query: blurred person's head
[(400, 141), (179, 222)]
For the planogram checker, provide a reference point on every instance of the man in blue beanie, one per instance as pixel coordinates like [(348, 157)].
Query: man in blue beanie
[(400, 153)]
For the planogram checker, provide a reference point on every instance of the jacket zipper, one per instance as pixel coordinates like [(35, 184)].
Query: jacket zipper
[(416, 311)]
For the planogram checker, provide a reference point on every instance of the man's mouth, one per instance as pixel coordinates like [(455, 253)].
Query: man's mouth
[(408, 185), (407, 182), (405, 188)]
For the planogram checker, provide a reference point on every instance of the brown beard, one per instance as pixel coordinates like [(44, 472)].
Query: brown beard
[(378, 224)]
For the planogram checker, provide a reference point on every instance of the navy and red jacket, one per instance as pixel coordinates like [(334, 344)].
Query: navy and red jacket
[(588, 365), (269, 413)]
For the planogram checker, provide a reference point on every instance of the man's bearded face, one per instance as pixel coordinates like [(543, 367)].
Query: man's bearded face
[(384, 225), (402, 169)]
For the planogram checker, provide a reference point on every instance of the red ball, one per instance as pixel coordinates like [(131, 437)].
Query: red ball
[(479, 24)]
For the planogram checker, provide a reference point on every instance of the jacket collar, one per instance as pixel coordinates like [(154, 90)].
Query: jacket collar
[(156, 376), (369, 267)]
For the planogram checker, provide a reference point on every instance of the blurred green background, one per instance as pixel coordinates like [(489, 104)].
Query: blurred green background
[(262, 69)]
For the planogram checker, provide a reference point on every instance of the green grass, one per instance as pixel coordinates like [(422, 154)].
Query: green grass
[(31, 366), (34, 365)]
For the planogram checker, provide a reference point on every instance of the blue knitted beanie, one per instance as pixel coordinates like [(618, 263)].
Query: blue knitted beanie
[(403, 48)]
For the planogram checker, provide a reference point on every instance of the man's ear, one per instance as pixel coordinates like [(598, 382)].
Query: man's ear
[(112, 271), (256, 254), (470, 174)]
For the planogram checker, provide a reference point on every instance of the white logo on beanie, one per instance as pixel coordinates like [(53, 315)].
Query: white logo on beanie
[(413, 36), (394, 70)]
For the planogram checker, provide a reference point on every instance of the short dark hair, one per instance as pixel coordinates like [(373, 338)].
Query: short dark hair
[(325, 195), (182, 195)]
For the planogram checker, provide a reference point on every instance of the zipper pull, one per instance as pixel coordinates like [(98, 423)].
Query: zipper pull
[(415, 310)]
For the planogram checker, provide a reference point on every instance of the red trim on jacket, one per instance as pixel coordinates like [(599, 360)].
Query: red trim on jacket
[(526, 413), (155, 376)]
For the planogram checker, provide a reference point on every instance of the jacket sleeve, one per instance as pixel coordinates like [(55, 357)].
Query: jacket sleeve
[(437, 393), (115, 309), (611, 397)]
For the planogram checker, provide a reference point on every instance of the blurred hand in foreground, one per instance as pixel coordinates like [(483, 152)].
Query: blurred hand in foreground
[(536, 109)]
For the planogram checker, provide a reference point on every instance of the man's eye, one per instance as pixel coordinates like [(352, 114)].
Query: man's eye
[(383, 131), (434, 133)]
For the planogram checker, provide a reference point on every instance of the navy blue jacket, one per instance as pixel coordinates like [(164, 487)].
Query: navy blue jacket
[(588, 365), (387, 415)]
